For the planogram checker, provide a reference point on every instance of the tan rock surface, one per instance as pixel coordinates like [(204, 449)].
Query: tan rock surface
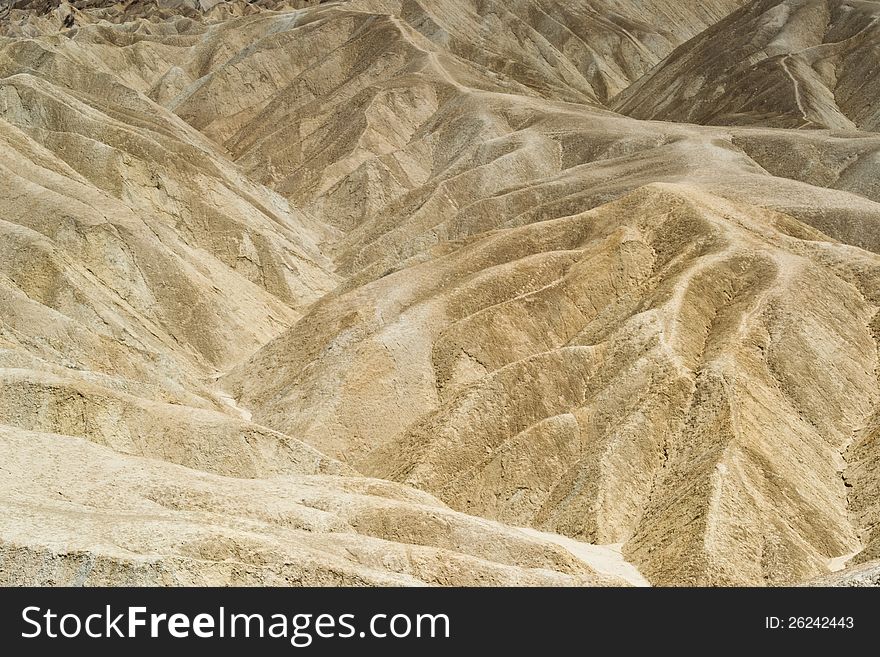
[(788, 63), (75, 514), (282, 276), (865, 575)]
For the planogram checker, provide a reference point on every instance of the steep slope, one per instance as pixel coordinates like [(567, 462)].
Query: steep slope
[(581, 51), (643, 373), (863, 458), (136, 263), (395, 371), (790, 63), (381, 69)]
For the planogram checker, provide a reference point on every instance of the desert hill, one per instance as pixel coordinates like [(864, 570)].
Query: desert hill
[(790, 64), (414, 274)]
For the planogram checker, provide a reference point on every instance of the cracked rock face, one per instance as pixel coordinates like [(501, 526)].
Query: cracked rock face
[(345, 293)]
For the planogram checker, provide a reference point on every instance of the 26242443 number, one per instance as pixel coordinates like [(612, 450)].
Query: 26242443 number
[(809, 622)]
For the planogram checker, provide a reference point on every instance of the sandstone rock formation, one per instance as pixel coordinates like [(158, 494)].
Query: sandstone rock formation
[(343, 293)]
